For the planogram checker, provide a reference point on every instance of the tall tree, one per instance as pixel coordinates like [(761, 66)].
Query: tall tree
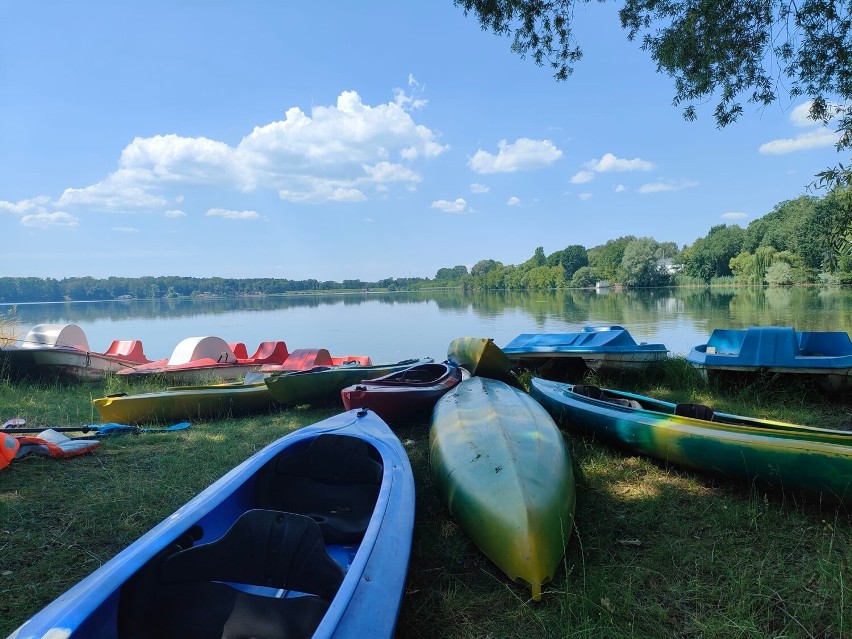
[(729, 51)]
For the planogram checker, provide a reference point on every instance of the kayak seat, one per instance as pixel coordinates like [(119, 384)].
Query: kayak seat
[(695, 411), (335, 480), (594, 392), (185, 592)]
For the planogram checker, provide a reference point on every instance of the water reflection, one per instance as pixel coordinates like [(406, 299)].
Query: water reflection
[(392, 326)]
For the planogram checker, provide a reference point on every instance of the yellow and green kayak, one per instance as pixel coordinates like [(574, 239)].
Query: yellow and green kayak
[(480, 356), (693, 435), (188, 402), (502, 467), (323, 385)]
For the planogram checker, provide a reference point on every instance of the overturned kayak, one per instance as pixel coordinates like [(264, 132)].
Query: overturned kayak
[(310, 537), (502, 467), (480, 356), (188, 402), (693, 435)]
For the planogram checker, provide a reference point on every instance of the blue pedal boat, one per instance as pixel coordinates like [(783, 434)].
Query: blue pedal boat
[(825, 356), (309, 537), (600, 348)]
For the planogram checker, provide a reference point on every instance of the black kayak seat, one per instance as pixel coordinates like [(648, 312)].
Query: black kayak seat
[(185, 592), (335, 480), (695, 411), (595, 392)]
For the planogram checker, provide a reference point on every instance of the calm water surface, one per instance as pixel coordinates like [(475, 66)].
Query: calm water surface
[(394, 326)]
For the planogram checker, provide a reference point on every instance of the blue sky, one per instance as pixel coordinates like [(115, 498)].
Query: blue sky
[(342, 140)]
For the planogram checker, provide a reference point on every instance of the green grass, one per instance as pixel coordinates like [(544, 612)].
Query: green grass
[(657, 551)]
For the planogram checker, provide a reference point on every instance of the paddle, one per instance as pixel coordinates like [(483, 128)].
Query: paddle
[(105, 429)]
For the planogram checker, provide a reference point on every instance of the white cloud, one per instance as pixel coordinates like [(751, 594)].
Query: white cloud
[(125, 229), (476, 187), (585, 196), (610, 163), (175, 213), (233, 215), (620, 188), (800, 116), (815, 139), (582, 177), (347, 195), (513, 201), (349, 151), (734, 215), (34, 205), (522, 155), (457, 206), (667, 186), (49, 220)]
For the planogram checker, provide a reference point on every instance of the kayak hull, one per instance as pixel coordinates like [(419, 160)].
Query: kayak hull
[(323, 385), (409, 394), (480, 356), (502, 467), (757, 450), (186, 402), (367, 570)]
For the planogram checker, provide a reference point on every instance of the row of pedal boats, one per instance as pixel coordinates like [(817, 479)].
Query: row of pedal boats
[(311, 536), (63, 351)]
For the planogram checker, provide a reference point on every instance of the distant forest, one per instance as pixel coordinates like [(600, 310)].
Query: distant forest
[(806, 240)]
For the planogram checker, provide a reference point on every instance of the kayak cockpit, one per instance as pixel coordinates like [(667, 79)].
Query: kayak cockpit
[(277, 568)]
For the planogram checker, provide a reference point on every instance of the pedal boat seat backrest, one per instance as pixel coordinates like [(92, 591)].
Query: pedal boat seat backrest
[(335, 480), (205, 591)]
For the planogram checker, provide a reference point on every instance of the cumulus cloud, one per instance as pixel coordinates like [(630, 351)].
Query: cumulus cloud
[(522, 155), (458, 205), (582, 177), (585, 196), (610, 163), (819, 135), (818, 138), (619, 188), (345, 152), (58, 219), (513, 201), (667, 186), (734, 215), (125, 229), (233, 215), (476, 187), (175, 213)]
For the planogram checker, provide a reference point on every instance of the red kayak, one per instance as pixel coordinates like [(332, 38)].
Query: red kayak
[(407, 394)]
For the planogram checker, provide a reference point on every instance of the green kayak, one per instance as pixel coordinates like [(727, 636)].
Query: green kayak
[(480, 356), (695, 436), (502, 467), (188, 402), (323, 385)]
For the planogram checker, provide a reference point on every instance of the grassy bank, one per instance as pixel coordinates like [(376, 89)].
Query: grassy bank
[(657, 552)]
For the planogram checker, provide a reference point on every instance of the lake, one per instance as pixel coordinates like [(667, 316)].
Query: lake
[(393, 326)]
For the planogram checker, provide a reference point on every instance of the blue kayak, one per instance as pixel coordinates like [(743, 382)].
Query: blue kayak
[(309, 537)]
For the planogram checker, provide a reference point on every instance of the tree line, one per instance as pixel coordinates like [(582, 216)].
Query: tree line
[(805, 240)]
